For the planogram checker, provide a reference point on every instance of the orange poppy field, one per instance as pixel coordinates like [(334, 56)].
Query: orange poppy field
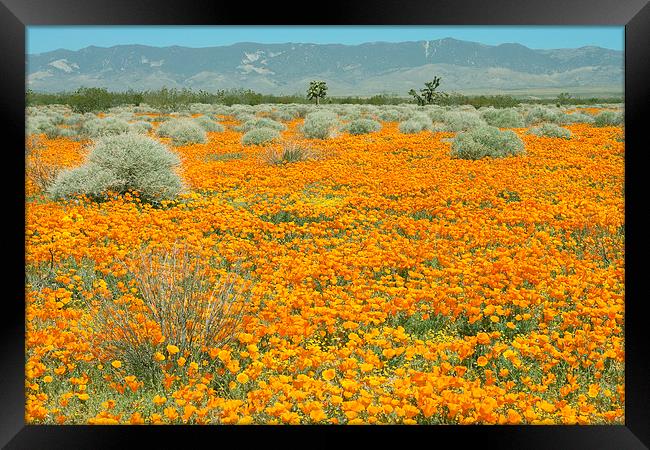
[(381, 281)]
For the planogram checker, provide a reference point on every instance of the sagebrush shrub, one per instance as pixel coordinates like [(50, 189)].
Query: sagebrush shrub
[(362, 126), (108, 126), (41, 124), (461, 120), (389, 115), (262, 122), (486, 141), (503, 118), (183, 132), (608, 119), (578, 117), (320, 125), (260, 136), (122, 163), (140, 126), (538, 114), (550, 130), (416, 123), (209, 125)]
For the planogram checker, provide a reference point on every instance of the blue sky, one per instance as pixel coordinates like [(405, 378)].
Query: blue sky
[(45, 38)]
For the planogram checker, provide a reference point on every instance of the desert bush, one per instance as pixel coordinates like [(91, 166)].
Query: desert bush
[(389, 115), (550, 130), (503, 118), (461, 120), (41, 125), (608, 119), (260, 136), (183, 300), (108, 126), (435, 113), (262, 122), (538, 114), (320, 125), (416, 123), (362, 126), (37, 169), (122, 163), (140, 126), (486, 141), (578, 117), (283, 115), (209, 125), (183, 132), (289, 152)]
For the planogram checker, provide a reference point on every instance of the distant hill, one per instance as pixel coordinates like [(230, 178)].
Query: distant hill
[(366, 69)]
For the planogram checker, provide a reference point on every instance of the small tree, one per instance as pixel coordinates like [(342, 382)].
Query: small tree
[(317, 90), (564, 98), (428, 94)]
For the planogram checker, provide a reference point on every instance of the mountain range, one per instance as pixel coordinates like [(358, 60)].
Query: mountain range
[(365, 69)]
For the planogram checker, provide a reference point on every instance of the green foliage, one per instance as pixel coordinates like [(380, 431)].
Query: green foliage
[(183, 132), (461, 121), (539, 114), (362, 126), (317, 90), (260, 136), (550, 130), (41, 124), (428, 94), (486, 141), (578, 118), (320, 125), (564, 98), (175, 99), (416, 123), (108, 126), (122, 163), (503, 118), (140, 126), (608, 119), (263, 122), (209, 125)]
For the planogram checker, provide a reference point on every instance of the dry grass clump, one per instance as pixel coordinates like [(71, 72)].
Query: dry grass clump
[(289, 152)]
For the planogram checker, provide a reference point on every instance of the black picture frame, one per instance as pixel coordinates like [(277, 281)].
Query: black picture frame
[(15, 15)]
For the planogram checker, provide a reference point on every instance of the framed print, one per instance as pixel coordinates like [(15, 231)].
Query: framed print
[(425, 216)]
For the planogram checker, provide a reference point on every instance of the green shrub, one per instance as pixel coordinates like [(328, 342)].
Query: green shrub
[(416, 123), (363, 126), (41, 125), (461, 120), (109, 126), (539, 114), (320, 125), (261, 123), (389, 115), (140, 126), (209, 125), (550, 130), (119, 164), (183, 132), (608, 119), (578, 117), (503, 118), (260, 136), (486, 141), (284, 115)]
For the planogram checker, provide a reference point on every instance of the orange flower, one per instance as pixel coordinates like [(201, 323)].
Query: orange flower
[(329, 374)]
